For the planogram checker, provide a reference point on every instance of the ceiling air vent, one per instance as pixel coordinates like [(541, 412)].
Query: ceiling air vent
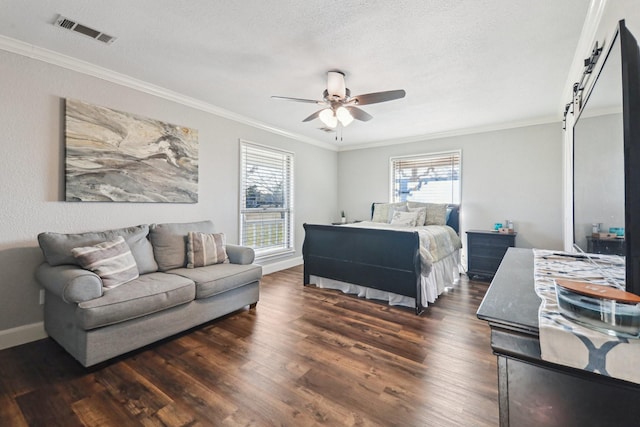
[(71, 25)]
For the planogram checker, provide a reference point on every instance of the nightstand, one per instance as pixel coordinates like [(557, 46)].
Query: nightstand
[(485, 250), (605, 246)]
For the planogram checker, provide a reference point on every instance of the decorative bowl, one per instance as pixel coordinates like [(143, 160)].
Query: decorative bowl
[(600, 307)]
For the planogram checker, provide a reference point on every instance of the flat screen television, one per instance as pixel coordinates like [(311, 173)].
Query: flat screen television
[(606, 156)]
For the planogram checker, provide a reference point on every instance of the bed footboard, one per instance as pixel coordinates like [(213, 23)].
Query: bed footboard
[(387, 260)]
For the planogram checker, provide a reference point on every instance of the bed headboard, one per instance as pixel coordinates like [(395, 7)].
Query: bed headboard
[(454, 216)]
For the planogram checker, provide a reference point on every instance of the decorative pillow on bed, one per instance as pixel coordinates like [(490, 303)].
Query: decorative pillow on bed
[(404, 218), (422, 215), (396, 208), (382, 211), (205, 249), (111, 260), (436, 214)]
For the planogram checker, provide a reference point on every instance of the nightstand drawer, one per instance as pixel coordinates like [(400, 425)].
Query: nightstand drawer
[(487, 241), (485, 265)]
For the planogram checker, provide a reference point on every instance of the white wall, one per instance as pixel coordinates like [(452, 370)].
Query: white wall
[(508, 174), (32, 173)]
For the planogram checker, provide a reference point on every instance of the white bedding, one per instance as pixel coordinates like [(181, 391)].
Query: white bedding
[(440, 258)]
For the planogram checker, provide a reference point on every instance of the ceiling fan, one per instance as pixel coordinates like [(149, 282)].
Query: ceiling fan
[(340, 106)]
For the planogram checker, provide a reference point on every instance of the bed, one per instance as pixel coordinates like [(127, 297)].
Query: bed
[(404, 265)]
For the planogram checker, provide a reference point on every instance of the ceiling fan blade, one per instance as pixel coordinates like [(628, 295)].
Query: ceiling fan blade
[(313, 116), (359, 114), (308, 101), (373, 98)]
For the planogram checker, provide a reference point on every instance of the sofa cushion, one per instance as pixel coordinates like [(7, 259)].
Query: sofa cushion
[(218, 278), (111, 260), (170, 242), (205, 249), (147, 294), (56, 247)]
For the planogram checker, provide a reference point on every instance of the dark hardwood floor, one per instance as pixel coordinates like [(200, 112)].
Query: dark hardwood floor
[(304, 357)]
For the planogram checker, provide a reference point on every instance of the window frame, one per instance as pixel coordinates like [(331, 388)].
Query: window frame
[(394, 195), (288, 239)]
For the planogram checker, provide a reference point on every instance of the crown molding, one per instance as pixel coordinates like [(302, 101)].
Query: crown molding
[(77, 65), (456, 132)]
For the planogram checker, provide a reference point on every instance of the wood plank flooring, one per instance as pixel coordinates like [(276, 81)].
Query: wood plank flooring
[(304, 357)]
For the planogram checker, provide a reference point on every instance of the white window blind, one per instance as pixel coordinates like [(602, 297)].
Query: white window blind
[(433, 178), (266, 199)]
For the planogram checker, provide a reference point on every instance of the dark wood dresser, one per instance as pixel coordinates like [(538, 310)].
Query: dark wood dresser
[(535, 393), (485, 250)]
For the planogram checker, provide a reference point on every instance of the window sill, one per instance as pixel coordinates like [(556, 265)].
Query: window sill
[(272, 255)]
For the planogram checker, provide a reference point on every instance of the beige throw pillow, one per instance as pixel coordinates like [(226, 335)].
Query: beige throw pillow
[(422, 215), (436, 214), (404, 218), (205, 249), (383, 212), (111, 260)]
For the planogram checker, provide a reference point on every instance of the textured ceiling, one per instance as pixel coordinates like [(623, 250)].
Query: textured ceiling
[(463, 64)]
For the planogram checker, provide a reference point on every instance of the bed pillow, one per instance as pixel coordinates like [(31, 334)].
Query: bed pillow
[(399, 208), (405, 218), (422, 215), (111, 260), (436, 214), (382, 212), (205, 249)]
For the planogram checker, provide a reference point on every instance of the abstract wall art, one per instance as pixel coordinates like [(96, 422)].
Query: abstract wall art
[(113, 156)]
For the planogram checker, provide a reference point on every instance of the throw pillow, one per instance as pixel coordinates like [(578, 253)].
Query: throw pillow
[(111, 260), (382, 212), (436, 214), (422, 215), (396, 208), (56, 247), (404, 218), (205, 249), (169, 242)]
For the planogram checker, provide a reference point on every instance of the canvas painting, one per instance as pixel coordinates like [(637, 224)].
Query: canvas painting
[(113, 156)]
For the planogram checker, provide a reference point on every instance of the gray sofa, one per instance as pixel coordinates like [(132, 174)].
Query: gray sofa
[(95, 324)]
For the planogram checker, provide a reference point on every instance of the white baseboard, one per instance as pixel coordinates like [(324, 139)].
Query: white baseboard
[(281, 265), (22, 335)]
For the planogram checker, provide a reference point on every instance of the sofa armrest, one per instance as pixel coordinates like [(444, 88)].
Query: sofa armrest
[(240, 254), (70, 282)]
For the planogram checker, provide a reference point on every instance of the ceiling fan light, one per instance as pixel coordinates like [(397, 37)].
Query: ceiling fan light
[(328, 118), (344, 116)]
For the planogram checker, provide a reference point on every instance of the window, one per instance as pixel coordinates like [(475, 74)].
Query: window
[(433, 178), (266, 199)]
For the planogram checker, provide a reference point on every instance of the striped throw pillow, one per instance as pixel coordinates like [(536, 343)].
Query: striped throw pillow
[(205, 249), (111, 260)]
